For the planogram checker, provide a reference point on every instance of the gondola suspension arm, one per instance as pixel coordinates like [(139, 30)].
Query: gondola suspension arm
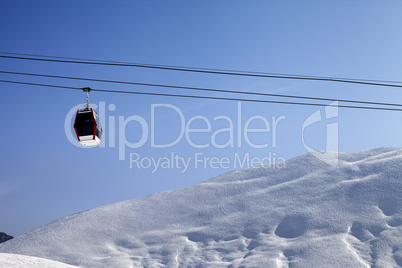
[(87, 89)]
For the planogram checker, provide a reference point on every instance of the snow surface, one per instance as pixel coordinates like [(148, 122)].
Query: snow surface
[(308, 214), (20, 261)]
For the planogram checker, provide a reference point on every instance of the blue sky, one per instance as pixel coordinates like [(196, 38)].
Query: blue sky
[(44, 177)]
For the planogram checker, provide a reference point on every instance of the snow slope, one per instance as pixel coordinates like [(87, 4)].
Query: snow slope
[(19, 261), (308, 214)]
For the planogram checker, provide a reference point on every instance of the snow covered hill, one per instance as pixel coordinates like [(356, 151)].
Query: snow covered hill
[(308, 214), (20, 261)]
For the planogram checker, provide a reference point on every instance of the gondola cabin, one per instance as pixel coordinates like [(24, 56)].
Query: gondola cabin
[(87, 127)]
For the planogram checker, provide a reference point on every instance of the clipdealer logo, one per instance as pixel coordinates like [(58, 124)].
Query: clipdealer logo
[(330, 155), (237, 132), (223, 132)]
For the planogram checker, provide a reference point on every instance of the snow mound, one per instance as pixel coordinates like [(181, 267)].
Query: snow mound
[(19, 261), (308, 214)]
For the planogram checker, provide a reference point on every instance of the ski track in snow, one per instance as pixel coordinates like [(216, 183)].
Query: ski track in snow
[(309, 214)]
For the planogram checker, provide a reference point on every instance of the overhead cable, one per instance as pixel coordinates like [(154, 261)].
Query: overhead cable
[(200, 89), (205, 97), (203, 70)]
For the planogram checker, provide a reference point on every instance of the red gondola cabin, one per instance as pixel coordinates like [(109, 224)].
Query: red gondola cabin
[(87, 127)]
